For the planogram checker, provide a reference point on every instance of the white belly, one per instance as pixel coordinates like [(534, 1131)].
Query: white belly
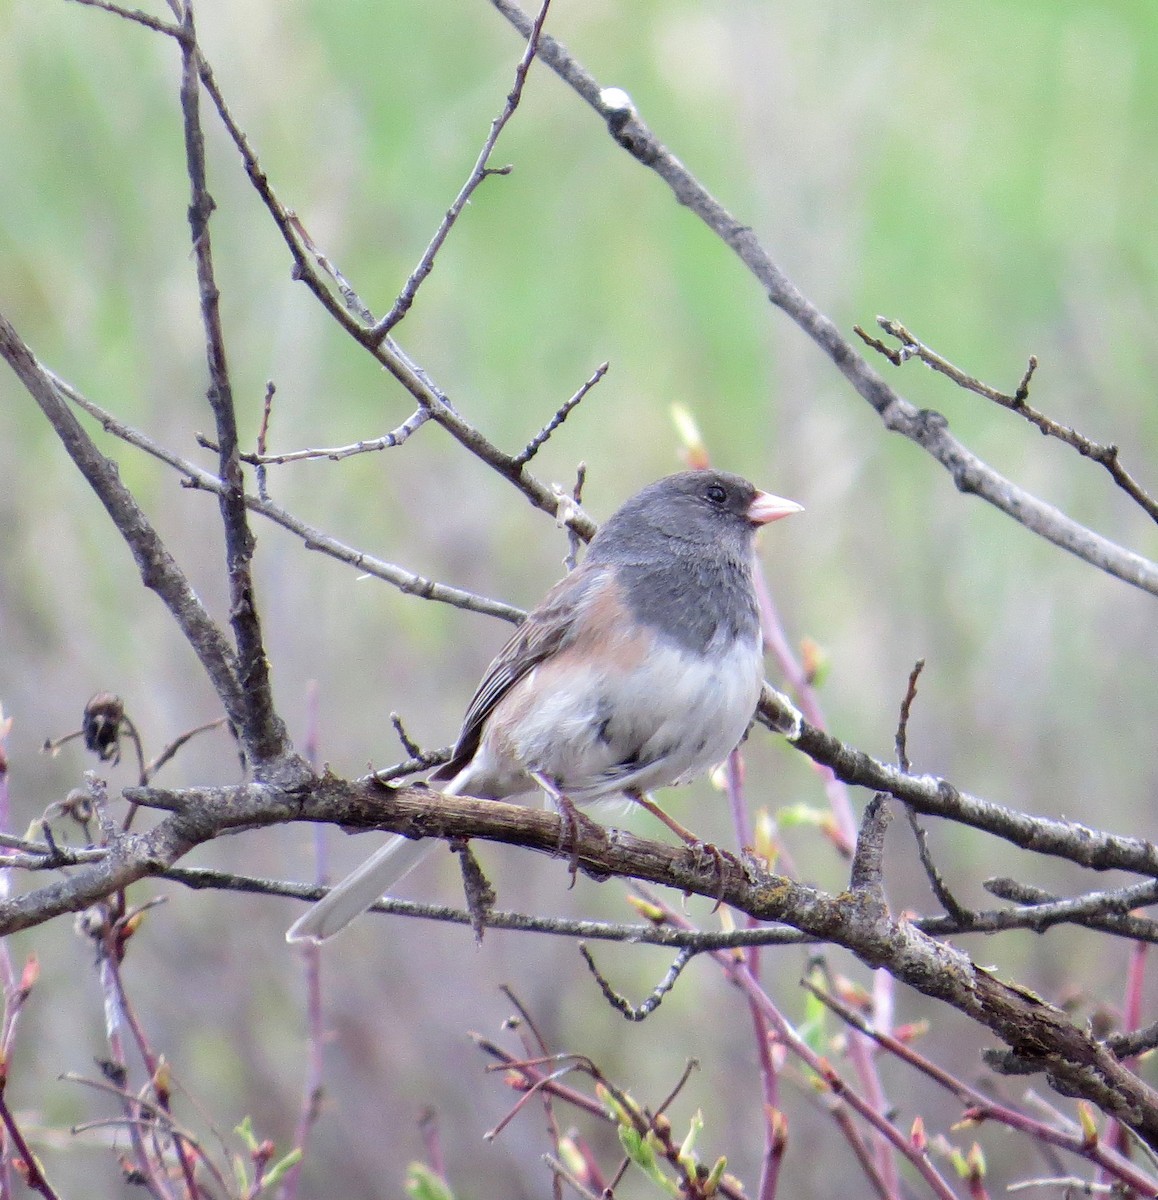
[(664, 722)]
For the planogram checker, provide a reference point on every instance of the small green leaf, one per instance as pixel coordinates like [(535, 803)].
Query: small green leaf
[(712, 1183), (274, 1175), (687, 1152), (800, 814), (641, 1151), (245, 1132), (422, 1183)]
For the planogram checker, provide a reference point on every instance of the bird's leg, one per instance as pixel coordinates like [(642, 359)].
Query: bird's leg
[(685, 835), (571, 820), (697, 845)]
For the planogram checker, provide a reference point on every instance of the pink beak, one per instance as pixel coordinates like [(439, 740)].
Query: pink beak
[(766, 508)]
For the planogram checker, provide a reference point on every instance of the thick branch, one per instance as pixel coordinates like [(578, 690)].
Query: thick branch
[(159, 570), (1038, 1034)]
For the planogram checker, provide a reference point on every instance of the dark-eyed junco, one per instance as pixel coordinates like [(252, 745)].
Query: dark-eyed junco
[(641, 668)]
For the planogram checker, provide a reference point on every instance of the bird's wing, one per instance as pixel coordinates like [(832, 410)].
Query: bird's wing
[(546, 629)]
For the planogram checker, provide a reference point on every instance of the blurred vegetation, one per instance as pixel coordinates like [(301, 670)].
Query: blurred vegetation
[(984, 172)]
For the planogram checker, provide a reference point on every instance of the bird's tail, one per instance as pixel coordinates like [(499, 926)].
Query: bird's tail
[(350, 898)]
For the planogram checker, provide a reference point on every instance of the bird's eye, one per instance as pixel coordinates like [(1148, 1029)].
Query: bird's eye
[(715, 493)]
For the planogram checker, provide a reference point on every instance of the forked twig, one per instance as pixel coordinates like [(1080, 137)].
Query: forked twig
[(1016, 401), (479, 172)]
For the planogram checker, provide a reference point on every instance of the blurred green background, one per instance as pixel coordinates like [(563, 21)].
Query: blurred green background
[(984, 172)]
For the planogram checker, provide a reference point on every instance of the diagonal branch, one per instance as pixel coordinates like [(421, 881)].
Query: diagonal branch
[(159, 570), (938, 798), (479, 172), (928, 429), (981, 1107), (312, 537), (385, 351), (1106, 455)]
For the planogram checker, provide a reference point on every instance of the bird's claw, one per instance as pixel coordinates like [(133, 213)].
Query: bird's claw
[(702, 853), (572, 824)]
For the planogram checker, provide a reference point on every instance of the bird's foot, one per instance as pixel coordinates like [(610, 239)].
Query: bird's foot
[(702, 853), (572, 824)]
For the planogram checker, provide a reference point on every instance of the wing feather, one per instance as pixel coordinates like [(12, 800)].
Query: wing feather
[(547, 628)]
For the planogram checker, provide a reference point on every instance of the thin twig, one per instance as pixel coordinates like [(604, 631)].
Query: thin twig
[(573, 539), (559, 1171), (350, 297), (535, 1043), (180, 740), (135, 15), (333, 453), (831, 1079), (263, 439), (561, 414), (33, 1174), (408, 744), (479, 172), (984, 1108), (1016, 401), (311, 536), (941, 889), (696, 941), (638, 1012), (902, 736), (430, 758)]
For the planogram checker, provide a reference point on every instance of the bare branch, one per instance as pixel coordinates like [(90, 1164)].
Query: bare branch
[(334, 453), (573, 539), (385, 350), (159, 570), (134, 15), (982, 1107), (311, 536), (33, 1173), (479, 172), (350, 297), (902, 737), (1130, 1045), (1036, 1033), (927, 429), (865, 875), (643, 1010), (261, 729), (939, 798), (562, 413), (1017, 401), (936, 880)]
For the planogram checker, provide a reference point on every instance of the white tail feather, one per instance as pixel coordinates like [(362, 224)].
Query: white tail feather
[(350, 898)]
